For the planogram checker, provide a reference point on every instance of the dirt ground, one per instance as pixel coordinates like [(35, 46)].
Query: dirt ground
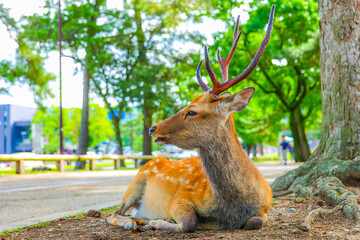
[(285, 218)]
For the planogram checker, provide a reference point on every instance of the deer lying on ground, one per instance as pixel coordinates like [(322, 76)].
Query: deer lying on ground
[(220, 189)]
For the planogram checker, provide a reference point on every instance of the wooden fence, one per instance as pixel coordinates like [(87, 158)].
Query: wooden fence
[(60, 160)]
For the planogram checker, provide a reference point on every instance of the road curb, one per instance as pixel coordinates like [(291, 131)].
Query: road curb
[(51, 217)]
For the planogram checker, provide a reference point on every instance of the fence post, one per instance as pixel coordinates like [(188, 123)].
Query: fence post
[(137, 165), (20, 167), (117, 164), (92, 165), (60, 165)]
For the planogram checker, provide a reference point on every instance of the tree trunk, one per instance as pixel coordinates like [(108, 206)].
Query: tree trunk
[(84, 128), (116, 123), (248, 149), (147, 106), (131, 136), (261, 148), (147, 150), (336, 162), (340, 74), (301, 146)]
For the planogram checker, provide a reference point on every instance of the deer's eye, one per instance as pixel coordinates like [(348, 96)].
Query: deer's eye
[(191, 113)]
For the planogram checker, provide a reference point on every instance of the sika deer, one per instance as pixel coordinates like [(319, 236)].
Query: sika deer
[(221, 189)]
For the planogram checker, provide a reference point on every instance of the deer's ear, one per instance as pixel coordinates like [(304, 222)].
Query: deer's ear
[(238, 101)]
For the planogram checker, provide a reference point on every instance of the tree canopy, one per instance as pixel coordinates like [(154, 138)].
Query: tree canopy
[(288, 75), (28, 65), (131, 58), (100, 126)]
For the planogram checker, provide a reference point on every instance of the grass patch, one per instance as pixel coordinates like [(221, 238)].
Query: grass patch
[(74, 216), (7, 233), (266, 158), (69, 168), (109, 209), (10, 172)]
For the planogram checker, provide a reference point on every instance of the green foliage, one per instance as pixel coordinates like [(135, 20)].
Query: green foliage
[(27, 67), (132, 62), (132, 132), (288, 75), (99, 126), (129, 52)]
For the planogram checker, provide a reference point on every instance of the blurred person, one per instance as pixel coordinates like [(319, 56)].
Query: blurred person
[(284, 146)]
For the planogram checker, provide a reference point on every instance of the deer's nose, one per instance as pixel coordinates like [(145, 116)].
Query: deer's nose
[(152, 130)]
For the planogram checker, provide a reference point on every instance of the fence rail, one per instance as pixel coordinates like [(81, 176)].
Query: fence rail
[(60, 160)]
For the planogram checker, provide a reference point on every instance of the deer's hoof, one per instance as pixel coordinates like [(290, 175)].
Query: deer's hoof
[(125, 222), (130, 225)]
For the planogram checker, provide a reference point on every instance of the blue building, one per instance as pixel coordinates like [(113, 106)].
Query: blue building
[(15, 123)]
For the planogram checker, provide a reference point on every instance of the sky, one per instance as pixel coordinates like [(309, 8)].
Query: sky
[(72, 84)]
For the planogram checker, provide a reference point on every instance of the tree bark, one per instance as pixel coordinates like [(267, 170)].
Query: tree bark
[(147, 105), (116, 123), (147, 148), (336, 162), (84, 128), (340, 74), (261, 148), (301, 146), (248, 149)]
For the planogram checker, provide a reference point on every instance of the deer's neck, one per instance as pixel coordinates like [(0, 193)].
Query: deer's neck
[(226, 164)]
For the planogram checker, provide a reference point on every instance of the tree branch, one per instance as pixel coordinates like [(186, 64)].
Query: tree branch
[(301, 89), (308, 114), (261, 87), (277, 88)]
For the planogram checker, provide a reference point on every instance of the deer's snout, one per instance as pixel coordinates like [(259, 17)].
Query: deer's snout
[(152, 130)]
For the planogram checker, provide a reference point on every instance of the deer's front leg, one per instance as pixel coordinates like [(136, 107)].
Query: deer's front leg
[(125, 222), (183, 213), (132, 195)]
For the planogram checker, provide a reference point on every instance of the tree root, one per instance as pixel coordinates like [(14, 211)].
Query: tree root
[(282, 193), (335, 193), (322, 178), (306, 224)]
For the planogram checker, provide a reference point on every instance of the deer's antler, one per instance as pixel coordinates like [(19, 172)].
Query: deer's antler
[(224, 63)]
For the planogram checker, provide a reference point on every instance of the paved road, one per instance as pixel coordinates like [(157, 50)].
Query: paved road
[(30, 199)]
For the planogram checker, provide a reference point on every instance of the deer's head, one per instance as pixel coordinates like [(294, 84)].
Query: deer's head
[(211, 112)]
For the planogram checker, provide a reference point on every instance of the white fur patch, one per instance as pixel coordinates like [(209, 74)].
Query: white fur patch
[(142, 212)]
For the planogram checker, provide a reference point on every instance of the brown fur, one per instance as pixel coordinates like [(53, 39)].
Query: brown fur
[(222, 188)]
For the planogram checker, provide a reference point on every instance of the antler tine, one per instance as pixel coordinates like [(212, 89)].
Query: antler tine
[(198, 76), (254, 62), (224, 63), (209, 69)]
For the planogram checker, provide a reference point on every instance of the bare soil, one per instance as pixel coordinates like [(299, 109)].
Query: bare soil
[(285, 218)]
